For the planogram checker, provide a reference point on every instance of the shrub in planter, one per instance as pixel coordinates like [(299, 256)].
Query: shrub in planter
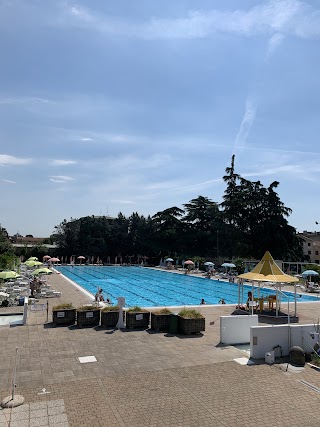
[(64, 314), (160, 320), (88, 315), (136, 317), (110, 316), (190, 321)]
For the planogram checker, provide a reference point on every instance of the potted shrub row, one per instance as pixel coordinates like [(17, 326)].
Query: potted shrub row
[(189, 321)]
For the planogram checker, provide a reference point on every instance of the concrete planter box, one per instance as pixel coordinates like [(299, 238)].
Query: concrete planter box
[(191, 326), (64, 316), (88, 318), (160, 322), (137, 320)]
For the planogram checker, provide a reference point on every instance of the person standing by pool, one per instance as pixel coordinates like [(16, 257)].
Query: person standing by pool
[(99, 296), (202, 302)]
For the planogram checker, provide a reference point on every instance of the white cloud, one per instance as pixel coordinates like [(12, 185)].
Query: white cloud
[(62, 162), (275, 16), (303, 172), (23, 100), (61, 178), (273, 43), (7, 160), (246, 124), (8, 181), (86, 139), (124, 202)]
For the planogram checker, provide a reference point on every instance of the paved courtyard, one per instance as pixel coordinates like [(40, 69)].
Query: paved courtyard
[(145, 378)]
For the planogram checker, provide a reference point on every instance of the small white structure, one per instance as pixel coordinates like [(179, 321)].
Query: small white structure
[(236, 329), (121, 304)]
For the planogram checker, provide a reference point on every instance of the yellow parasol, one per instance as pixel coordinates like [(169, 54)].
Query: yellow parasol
[(268, 271)]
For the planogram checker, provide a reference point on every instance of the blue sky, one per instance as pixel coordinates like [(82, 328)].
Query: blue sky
[(137, 106)]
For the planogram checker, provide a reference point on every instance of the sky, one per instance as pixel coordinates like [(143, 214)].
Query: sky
[(137, 106)]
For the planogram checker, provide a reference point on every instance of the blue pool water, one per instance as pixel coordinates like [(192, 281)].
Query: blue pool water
[(153, 288)]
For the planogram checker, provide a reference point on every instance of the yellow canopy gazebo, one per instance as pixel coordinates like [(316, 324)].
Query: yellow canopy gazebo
[(268, 271)]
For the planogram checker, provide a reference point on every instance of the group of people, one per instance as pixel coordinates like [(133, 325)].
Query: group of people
[(99, 297), (35, 287), (222, 301)]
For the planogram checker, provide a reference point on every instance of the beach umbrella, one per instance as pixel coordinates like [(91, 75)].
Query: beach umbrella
[(41, 271), (54, 259), (308, 273), (81, 257), (33, 258), (169, 260), (268, 271), (228, 265), (5, 275), (46, 257), (32, 263), (209, 264), (189, 263)]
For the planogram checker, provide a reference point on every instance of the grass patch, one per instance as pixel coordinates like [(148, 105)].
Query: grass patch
[(137, 309), (65, 306), (162, 311), (315, 359), (110, 308), (189, 313), (88, 308)]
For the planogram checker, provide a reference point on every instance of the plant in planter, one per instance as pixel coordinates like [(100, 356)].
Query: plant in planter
[(64, 314), (110, 316), (160, 319), (190, 321), (136, 317), (88, 315)]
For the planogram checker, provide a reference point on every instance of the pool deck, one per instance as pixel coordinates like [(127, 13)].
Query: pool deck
[(145, 378)]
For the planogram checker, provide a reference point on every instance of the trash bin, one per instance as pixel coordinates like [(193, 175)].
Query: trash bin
[(173, 326), (21, 301), (297, 356), (269, 357)]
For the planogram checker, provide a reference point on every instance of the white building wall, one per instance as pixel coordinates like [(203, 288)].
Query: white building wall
[(236, 329), (264, 339)]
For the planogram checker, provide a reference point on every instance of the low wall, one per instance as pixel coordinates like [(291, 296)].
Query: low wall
[(280, 338), (236, 329)]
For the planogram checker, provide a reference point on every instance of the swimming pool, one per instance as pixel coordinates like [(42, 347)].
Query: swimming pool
[(154, 288)]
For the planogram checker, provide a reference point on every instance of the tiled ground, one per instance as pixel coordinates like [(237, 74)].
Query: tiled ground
[(143, 378), (50, 413)]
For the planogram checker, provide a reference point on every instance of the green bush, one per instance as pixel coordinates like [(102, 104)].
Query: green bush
[(64, 306), (88, 308), (111, 308), (136, 309), (315, 359), (189, 313), (162, 311)]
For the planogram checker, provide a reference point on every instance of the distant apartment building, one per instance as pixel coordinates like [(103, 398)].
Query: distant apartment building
[(29, 241), (311, 245)]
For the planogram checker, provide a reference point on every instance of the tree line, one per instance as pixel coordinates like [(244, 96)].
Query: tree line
[(250, 220)]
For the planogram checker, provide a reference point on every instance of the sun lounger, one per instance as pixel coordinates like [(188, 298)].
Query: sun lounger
[(49, 293)]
